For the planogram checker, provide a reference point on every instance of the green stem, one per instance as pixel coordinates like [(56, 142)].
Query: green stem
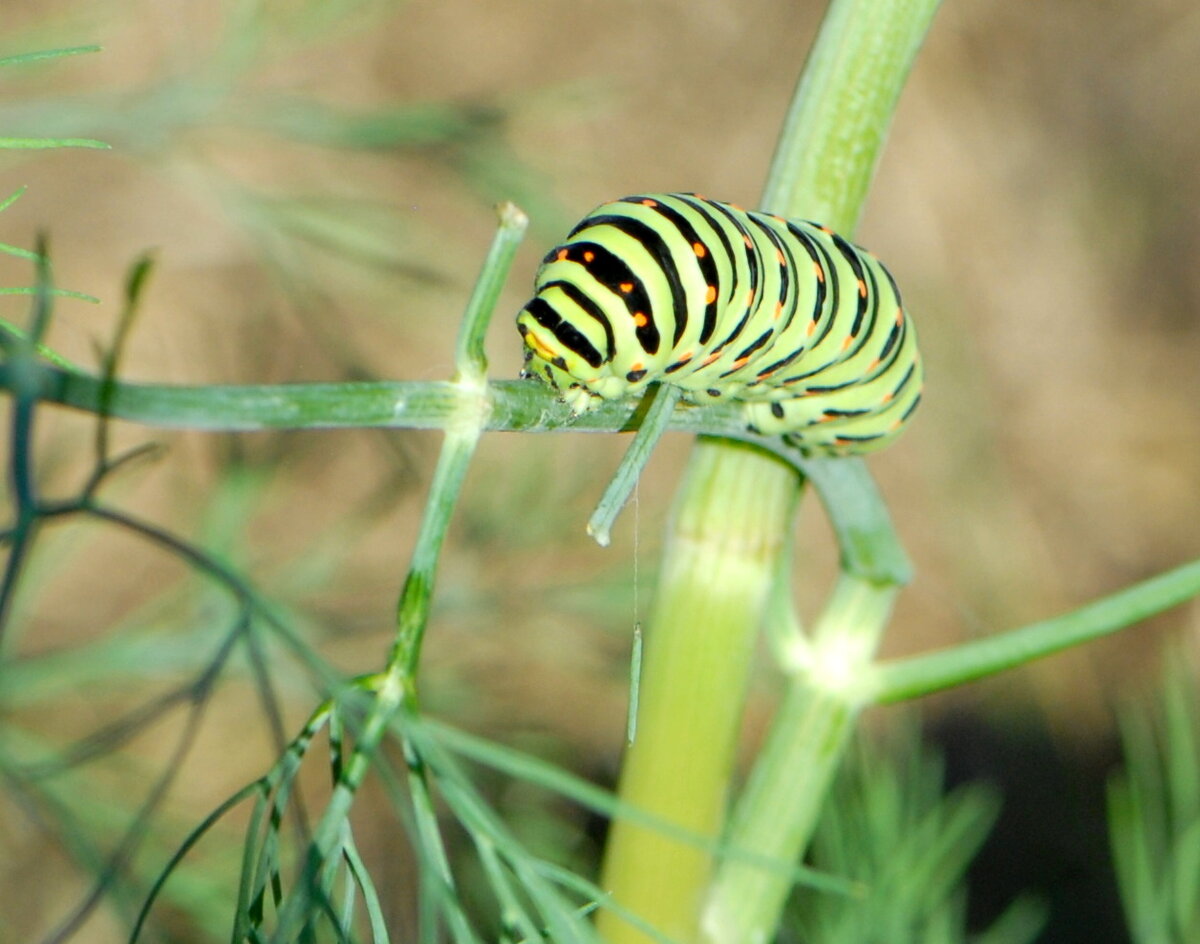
[(867, 542), (395, 687), (463, 429), (522, 405), (778, 809), (934, 671), (730, 524), (653, 425), (835, 127), (469, 357), (413, 610), (21, 58), (23, 368), (825, 159)]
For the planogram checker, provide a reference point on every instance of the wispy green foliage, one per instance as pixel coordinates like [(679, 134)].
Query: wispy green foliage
[(42, 143), (101, 834), (332, 879), (24, 57), (323, 244), (1154, 809), (27, 143), (891, 828), (8, 330)]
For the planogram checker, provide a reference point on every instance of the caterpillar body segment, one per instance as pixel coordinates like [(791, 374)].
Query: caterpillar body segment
[(803, 328)]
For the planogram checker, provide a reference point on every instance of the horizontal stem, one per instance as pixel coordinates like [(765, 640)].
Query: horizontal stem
[(868, 543), (43, 143), (402, 404), (946, 668)]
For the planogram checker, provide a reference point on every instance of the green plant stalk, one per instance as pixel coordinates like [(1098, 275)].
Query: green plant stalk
[(654, 424), (778, 809), (21, 58), (23, 366), (400, 404), (839, 115), (730, 525), (395, 687), (43, 143), (867, 543), (946, 668), (463, 429), (826, 156)]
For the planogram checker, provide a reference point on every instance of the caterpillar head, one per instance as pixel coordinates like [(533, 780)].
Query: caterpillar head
[(547, 360)]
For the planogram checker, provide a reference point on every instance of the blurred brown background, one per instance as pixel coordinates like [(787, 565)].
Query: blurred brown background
[(1038, 202)]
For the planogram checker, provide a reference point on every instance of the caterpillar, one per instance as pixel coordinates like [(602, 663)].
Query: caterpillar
[(806, 330)]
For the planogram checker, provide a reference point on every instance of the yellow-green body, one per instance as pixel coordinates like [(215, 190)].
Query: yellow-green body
[(805, 329)]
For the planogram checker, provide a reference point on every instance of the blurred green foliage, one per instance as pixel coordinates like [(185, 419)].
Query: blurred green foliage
[(890, 826), (1154, 808)]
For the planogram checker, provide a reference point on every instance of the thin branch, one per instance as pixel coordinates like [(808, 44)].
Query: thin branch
[(120, 857), (514, 405), (921, 675)]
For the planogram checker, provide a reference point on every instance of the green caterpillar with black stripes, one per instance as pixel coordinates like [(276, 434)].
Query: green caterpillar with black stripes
[(803, 328)]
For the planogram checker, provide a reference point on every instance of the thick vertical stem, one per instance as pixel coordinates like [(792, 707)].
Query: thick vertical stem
[(731, 520), (696, 645), (839, 116)]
